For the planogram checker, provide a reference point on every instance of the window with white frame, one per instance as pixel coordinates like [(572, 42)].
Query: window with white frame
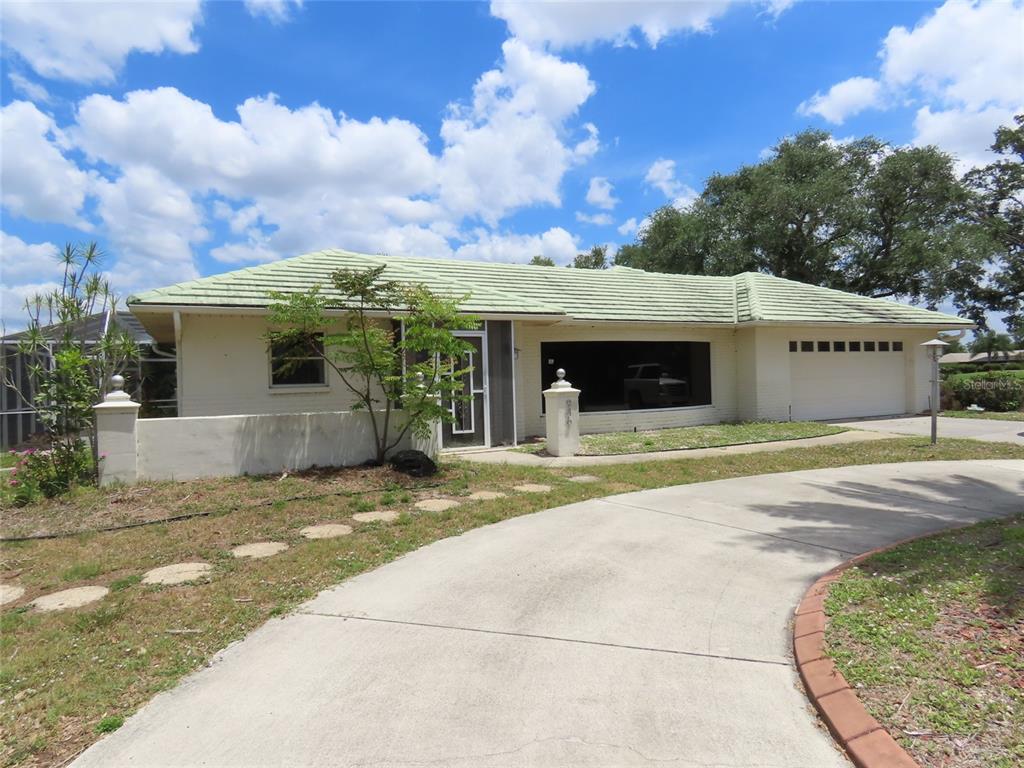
[(298, 363)]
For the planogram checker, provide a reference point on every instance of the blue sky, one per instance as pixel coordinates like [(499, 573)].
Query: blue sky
[(189, 139)]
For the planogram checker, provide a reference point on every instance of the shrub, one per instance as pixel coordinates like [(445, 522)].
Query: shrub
[(48, 473), (995, 391)]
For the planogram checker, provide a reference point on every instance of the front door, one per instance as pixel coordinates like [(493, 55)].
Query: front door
[(470, 427)]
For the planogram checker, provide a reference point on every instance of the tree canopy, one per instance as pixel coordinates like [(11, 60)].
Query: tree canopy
[(860, 216)]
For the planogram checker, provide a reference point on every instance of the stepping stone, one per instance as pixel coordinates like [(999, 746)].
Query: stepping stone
[(584, 479), (326, 531), (179, 573), (10, 592), (69, 598), (487, 495), (259, 549), (385, 516), (436, 505), (532, 488)]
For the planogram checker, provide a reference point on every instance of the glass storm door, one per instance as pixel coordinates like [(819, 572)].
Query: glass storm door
[(470, 413)]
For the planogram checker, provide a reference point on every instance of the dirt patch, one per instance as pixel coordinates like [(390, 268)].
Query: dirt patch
[(94, 509)]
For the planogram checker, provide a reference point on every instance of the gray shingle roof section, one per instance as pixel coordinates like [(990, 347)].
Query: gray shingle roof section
[(619, 294)]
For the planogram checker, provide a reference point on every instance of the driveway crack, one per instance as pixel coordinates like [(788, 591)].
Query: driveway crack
[(554, 638)]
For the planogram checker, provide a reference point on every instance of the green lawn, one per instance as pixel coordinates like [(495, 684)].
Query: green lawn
[(7, 459), (709, 436), (66, 677), (931, 634), (995, 415)]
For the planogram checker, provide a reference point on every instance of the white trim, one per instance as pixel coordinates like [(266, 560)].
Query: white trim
[(227, 309), (515, 375), (472, 404), (584, 414), (486, 392)]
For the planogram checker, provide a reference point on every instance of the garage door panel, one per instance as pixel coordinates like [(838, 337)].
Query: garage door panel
[(834, 385)]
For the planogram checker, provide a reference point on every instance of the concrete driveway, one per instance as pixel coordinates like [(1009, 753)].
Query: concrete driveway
[(643, 628), (977, 429)]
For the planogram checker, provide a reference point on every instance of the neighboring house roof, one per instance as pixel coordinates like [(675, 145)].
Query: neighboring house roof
[(616, 294), (981, 357), (93, 327)]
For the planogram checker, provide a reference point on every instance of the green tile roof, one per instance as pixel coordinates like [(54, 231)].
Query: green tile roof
[(617, 294)]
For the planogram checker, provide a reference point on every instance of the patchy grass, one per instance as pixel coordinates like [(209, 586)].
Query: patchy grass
[(709, 436), (994, 415), (63, 673), (8, 459), (932, 636)]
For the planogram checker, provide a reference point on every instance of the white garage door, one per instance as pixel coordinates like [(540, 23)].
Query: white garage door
[(830, 383)]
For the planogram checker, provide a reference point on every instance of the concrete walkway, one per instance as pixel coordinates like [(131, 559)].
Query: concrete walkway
[(644, 628), (976, 429), (510, 456)]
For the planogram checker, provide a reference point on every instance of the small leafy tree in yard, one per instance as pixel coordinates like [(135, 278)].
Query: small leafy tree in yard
[(68, 366), (367, 356)]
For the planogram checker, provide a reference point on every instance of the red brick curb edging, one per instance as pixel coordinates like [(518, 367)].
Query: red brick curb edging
[(865, 740)]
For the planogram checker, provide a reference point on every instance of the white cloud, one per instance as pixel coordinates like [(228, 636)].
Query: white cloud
[(843, 99), (597, 219), (37, 180), (968, 53), (966, 134), (154, 223), (562, 24), (662, 176), (599, 194), (12, 302), (505, 150), (556, 243), (28, 88), (21, 261), (962, 65), (276, 10), (88, 42), (284, 181), (629, 226)]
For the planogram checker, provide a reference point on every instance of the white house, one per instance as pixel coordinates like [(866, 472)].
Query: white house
[(647, 350)]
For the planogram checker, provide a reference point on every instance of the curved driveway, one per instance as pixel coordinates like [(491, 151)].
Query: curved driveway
[(646, 628)]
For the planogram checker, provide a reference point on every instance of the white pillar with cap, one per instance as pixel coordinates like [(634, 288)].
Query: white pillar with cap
[(562, 417), (116, 441)]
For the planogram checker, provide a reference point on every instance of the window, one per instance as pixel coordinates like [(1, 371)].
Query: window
[(897, 346), (621, 375), (823, 346), (806, 346), (838, 346), (883, 346), (855, 346), (869, 346), (298, 364), (792, 346)]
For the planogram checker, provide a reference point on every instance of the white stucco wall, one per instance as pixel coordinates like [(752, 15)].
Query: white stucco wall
[(773, 391), (226, 446), (529, 336), (751, 374), (225, 369)]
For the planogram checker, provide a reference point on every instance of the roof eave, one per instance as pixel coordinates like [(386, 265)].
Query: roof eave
[(244, 309)]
